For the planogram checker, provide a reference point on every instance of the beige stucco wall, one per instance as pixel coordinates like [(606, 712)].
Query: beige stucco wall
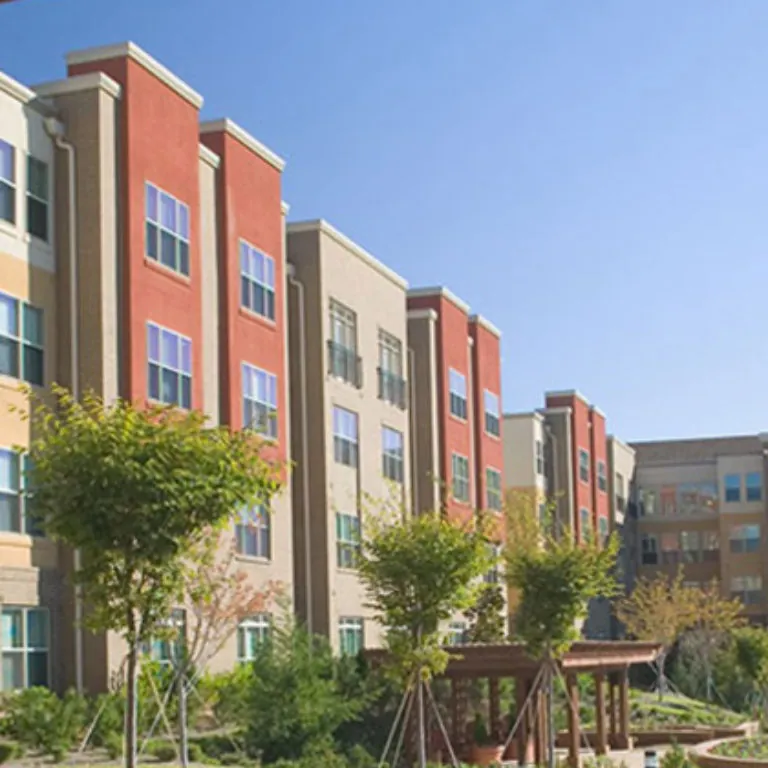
[(519, 432)]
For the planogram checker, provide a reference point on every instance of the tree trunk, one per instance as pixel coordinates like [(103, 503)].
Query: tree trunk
[(661, 677), (131, 705), (550, 715), (183, 734), (422, 725)]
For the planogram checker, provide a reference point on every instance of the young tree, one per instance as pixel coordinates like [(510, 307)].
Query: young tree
[(487, 622), (135, 490), (418, 572), (659, 610)]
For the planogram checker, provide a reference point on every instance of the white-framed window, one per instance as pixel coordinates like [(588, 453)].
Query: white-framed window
[(167, 649), (649, 549), (583, 465), (259, 400), (493, 574), (167, 229), (457, 384), (350, 635), (748, 589), (732, 488), (253, 532), (744, 538), (21, 340), (37, 198), (460, 477), (257, 281), (493, 498), (345, 436), (347, 540), (7, 182), (393, 461), (690, 546), (252, 633), (169, 357), (343, 361), (586, 524), (754, 486), (539, 458), (25, 647), (621, 499), (602, 476), (391, 381), (457, 633), (492, 413), (14, 494), (602, 529)]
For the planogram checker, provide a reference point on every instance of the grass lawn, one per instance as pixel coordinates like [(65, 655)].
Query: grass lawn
[(648, 712)]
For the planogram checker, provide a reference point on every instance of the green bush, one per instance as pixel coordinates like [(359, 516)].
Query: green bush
[(228, 693), (216, 746), (110, 708), (162, 751), (113, 743), (8, 751), (675, 757)]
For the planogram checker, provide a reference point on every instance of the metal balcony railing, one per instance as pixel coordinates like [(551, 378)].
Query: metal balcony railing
[(392, 388), (345, 364)]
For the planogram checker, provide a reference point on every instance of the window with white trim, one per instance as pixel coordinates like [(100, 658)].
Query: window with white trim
[(748, 589), (37, 198), (253, 534), (744, 539), (166, 649), (25, 646), (754, 486), (393, 462), (167, 229), (586, 524), (602, 527), (347, 540), (7, 182), (14, 494), (170, 366), (252, 633), (257, 281), (493, 574), (457, 633), (259, 400), (492, 413), (21, 340), (457, 384), (539, 458), (649, 549), (583, 465), (602, 476), (732, 488), (460, 477), (350, 635), (493, 489), (345, 436)]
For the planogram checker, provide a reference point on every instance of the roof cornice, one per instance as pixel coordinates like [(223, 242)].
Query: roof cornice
[(439, 290), (225, 125), (88, 81), (15, 89), (207, 155), (487, 324)]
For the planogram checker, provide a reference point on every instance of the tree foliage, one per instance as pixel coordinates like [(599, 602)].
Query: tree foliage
[(487, 619)]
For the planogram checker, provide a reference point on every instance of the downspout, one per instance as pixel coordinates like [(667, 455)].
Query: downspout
[(414, 425), (299, 286), (55, 129), (475, 477)]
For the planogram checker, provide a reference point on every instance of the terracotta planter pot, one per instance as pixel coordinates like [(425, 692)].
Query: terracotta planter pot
[(483, 756)]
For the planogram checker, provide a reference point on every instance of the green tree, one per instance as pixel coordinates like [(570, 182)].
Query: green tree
[(487, 619), (134, 490), (419, 572)]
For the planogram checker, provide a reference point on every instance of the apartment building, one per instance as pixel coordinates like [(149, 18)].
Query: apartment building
[(701, 507), (176, 295), (350, 417)]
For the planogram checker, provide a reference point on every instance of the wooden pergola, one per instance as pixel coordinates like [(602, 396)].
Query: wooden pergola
[(607, 661)]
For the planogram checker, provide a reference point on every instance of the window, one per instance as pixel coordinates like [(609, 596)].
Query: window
[(539, 458), (460, 477), (13, 498), (392, 454), (748, 589), (7, 182), (649, 547), (754, 483), (492, 413), (710, 546), (259, 400), (670, 548), (602, 527), (25, 647), (621, 499), (21, 340), (733, 488), (350, 635), (37, 198), (167, 230), (648, 505), (391, 381), (343, 361), (583, 465), (744, 538), (252, 633), (492, 575), (170, 366), (586, 524), (257, 281), (457, 633), (345, 436), (493, 489), (691, 585), (253, 535), (602, 477), (690, 546), (347, 540), (165, 651), (457, 384)]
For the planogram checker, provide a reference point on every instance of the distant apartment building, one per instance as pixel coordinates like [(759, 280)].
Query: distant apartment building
[(701, 507), (142, 257), (350, 420)]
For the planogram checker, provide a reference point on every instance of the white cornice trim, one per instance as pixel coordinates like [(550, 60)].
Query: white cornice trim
[(284, 208), (619, 441), (15, 89), (439, 290), (422, 314), (566, 393), (535, 415), (320, 225), (140, 56), (596, 410), (487, 324), (226, 125), (207, 155), (86, 82), (566, 409)]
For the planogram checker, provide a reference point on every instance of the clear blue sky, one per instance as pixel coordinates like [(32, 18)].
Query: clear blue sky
[(591, 176)]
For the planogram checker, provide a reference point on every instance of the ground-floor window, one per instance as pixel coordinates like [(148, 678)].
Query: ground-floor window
[(25, 646), (350, 635), (165, 650), (251, 634)]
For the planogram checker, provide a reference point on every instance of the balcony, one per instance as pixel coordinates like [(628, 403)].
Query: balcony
[(392, 388), (345, 364)]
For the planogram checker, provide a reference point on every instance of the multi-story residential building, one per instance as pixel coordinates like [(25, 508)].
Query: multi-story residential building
[(350, 421), (178, 292), (701, 507)]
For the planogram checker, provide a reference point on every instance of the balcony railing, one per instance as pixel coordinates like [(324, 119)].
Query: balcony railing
[(392, 388), (345, 364)]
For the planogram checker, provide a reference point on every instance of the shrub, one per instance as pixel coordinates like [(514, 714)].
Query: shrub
[(109, 708), (675, 757), (162, 751), (8, 751), (113, 743), (216, 746), (227, 694)]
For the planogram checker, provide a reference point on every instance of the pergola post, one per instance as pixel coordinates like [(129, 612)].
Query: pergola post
[(454, 711), (572, 705), (601, 748), (494, 707), (521, 695), (622, 739), (612, 708), (540, 744)]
